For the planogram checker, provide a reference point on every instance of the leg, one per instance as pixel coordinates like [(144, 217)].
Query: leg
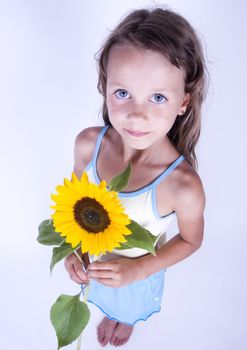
[(121, 334), (105, 330)]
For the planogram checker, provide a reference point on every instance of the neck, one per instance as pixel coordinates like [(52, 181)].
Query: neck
[(149, 154)]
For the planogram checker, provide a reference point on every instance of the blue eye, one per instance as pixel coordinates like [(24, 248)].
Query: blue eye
[(121, 93), (159, 98)]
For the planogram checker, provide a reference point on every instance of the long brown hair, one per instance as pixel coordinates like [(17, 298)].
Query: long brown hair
[(168, 33)]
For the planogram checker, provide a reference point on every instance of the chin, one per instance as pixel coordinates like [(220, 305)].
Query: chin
[(138, 145)]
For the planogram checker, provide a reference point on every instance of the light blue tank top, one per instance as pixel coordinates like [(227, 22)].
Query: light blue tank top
[(140, 205)]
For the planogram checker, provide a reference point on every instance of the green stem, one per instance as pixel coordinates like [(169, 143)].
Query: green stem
[(86, 293), (78, 256), (78, 346), (62, 242)]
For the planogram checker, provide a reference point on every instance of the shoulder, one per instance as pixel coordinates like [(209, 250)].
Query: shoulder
[(84, 147), (184, 192)]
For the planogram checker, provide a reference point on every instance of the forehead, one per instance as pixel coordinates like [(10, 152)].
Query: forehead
[(128, 64)]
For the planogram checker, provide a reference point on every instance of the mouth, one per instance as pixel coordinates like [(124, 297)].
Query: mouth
[(136, 133)]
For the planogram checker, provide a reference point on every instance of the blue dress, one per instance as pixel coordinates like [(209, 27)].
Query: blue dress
[(139, 300)]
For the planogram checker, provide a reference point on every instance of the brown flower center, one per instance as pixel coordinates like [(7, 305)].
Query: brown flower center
[(91, 215)]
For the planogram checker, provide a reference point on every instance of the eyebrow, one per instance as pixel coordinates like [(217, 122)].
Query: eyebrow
[(160, 90), (115, 84)]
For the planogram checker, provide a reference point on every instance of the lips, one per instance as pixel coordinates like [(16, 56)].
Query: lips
[(136, 133)]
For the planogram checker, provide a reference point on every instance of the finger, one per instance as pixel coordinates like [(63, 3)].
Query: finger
[(75, 276), (101, 274), (101, 266), (109, 282), (75, 269), (78, 268)]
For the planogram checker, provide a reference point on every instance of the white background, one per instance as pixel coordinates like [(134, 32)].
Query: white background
[(48, 94)]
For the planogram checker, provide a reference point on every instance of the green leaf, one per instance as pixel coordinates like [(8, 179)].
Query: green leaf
[(47, 234), (124, 245), (121, 181), (61, 252), (140, 238), (69, 316)]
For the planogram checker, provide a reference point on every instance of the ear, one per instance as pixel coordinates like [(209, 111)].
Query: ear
[(184, 104)]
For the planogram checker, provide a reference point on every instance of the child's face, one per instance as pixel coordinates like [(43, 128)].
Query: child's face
[(144, 95)]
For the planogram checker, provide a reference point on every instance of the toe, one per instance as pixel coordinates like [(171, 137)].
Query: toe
[(100, 335), (117, 342), (104, 342), (113, 340), (122, 342)]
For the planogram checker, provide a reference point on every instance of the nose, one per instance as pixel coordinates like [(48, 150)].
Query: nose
[(137, 111)]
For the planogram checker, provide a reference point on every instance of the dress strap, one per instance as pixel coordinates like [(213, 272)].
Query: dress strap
[(98, 143), (168, 170)]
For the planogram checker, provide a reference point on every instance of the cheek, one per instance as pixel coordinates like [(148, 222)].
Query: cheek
[(117, 108), (162, 123), (164, 119)]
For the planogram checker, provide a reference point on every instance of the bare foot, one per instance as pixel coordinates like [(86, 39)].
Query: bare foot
[(105, 330), (121, 334)]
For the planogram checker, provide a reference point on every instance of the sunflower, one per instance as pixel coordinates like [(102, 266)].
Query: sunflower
[(90, 215)]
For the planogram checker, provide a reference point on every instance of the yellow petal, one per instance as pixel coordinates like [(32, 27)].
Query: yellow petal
[(84, 179), (102, 185)]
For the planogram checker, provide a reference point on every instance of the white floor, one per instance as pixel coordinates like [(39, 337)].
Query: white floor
[(48, 94)]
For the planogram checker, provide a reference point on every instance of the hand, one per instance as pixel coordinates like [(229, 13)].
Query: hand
[(115, 273), (75, 270)]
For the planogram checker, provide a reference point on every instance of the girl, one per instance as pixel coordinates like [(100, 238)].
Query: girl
[(152, 78)]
